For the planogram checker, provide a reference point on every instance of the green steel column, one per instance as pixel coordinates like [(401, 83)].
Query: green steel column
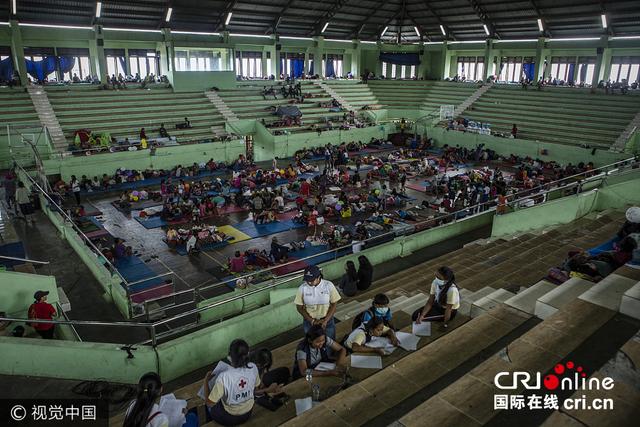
[(598, 72), (17, 51), (444, 70), (488, 54), (355, 59), (606, 58), (167, 55), (539, 65), (318, 55), (100, 58), (422, 68), (264, 62), (378, 70)]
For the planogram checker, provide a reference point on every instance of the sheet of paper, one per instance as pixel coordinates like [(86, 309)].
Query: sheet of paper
[(383, 343), (408, 341), (325, 366), (422, 330), (220, 367), (173, 408), (367, 362), (303, 405)]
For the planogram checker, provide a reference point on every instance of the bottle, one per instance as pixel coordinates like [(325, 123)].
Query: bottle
[(309, 376)]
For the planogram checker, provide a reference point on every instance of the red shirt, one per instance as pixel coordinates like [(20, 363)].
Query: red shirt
[(42, 311)]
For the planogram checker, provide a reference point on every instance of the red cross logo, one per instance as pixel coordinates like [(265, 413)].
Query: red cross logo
[(242, 383)]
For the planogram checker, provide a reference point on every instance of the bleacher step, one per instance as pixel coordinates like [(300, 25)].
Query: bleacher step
[(410, 305), (630, 303), (557, 298), (526, 300), (484, 304), (467, 302), (609, 291)]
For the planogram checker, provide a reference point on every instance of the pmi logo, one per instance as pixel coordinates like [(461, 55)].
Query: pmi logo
[(566, 376)]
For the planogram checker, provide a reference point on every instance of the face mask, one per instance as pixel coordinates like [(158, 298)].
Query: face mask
[(382, 311), (438, 282)]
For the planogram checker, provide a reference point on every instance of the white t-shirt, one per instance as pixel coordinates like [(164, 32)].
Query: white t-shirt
[(453, 295), (317, 299), (160, 420)]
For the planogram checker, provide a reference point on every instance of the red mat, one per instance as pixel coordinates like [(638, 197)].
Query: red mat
[(155, 292), (415, 186), (290, 268), (228, 209)]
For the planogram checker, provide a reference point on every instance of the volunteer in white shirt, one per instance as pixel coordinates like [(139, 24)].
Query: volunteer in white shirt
[(444, 299), (231, 399), (359, 337), (316, 301), (144, 412)]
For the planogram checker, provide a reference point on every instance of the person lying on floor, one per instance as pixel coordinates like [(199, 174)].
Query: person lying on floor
[(313, 350), (357, 340)]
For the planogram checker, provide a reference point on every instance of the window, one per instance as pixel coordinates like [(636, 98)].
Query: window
[(586, 68), (512, 69), (413, 71), (115, 62), (625, 67), (336, 61), (39, 54), (563, 68), (216, 59), (393, 71), (403, 71), (384, 69), (470, 67), (143, 62), (77, 59)]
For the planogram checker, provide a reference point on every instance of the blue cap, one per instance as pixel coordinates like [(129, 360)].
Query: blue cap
[(311, 273)]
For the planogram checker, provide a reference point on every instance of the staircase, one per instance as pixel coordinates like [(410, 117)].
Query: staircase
[(48, 117), (470, 100), (335, 95), (621, 142), (219, 103)]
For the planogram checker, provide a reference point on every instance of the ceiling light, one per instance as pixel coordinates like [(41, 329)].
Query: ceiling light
[(486, 29), (14, 8), (169, 12), (540, 26), (384, 31), (604, 20), (98, 9), (444, 33), (417, 32), (228, 19), (325, 27)]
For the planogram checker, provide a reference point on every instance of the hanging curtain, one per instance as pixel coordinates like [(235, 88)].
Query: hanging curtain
[(40, 69), (66, 63), (572, 68), (528, 69), (282, 69), (583, 73), (297, 67), (500, 71), (6, 69), (123, 64), (400, 58), (330, 71)]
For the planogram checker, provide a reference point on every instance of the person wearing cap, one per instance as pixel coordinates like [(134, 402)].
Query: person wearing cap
[(316, 301), (632, 223), (42, 310)]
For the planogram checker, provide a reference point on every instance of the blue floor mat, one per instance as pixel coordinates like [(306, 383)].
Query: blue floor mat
[(15, 250), (182, 250), (606, 246), (257, 230), (151, 222), (133, 269)]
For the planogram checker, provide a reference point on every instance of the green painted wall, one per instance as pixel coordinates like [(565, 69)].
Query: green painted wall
[(185, 81), (17, 289), (506, 146), (567, 209), (166, 157)]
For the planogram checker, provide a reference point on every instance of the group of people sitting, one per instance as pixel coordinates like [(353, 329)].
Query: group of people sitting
[(195, 237)]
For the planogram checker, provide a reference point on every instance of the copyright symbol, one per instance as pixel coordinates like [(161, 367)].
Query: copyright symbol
[(18, 413)]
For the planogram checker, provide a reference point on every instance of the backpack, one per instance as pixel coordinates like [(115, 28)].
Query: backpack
[(357, 321)]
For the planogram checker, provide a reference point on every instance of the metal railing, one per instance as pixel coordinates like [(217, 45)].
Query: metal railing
[(568, 183)]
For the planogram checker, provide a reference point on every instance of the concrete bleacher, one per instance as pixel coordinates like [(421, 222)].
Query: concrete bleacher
[(356, 93), (500, 282), (19, 113), (420, 94), (123, 112), (561, 115), (247, 102)]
